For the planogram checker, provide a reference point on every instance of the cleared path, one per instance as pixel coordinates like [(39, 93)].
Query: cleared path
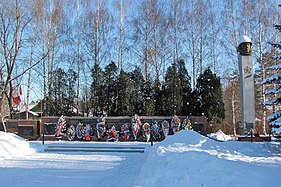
[(83, 148), (76, 168)]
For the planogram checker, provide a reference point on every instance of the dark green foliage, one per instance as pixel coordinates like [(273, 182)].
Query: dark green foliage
[(61, 100), (85, 104), (110, 89), (185, 86), (158, 98), (177, 90), (123, 100), (58, 95), (125, 93), (148, 98), (171, 91), (136, 95), (97, 90), (208, 96), (70, 92)]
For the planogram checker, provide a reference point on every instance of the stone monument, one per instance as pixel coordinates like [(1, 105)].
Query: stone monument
[(246, 84)]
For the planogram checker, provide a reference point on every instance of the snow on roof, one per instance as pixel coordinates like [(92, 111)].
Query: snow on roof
[(30, 107), (33, 113)]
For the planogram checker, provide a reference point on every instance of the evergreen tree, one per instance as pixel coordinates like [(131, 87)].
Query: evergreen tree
[(275, 80), (171, 96), (123, 92), (62, 100), (177, 90), (71, 79), (110, 89), (135, 93), (275, 117), (57, 100), (148, 98), (85, 103), (260, 74), (97, 90), (209, 96), (195, 104), (185, 86), (158, 98)]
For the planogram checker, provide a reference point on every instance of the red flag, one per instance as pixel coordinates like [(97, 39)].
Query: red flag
[(16, 100), (20, 91)]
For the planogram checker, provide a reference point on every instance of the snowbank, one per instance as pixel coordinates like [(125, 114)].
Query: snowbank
[(189, 159), (12, 146), (220, 136)]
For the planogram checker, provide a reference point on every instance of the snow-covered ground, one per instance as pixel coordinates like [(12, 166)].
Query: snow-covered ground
[(184, 159), (220, 136)]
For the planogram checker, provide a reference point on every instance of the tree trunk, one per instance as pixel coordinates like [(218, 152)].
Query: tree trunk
[(193, 48), (175, 32), (79, 67), (120, 52), (233, 106), (146, 45), (29, 73), (262, 66), (96, 49)]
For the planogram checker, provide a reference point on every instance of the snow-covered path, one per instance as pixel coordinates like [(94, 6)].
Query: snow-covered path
[(75, 168)]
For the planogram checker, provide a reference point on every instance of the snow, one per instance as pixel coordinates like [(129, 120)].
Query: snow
[(274, 115), (183, 159), (12, 146), (271, 102), (273, 91), (272, 79), (220, 136), (275, 67)]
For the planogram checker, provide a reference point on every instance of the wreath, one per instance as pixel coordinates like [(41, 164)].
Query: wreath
[(70, 134), (79, 131)]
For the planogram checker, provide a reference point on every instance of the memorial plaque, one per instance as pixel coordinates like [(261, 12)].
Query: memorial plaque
[(25, 131), (50, 128)]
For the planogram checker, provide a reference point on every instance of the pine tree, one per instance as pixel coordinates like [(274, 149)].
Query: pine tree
[(71, 80), (123, 99), (158, 98), (57, 100), (275, 80), (110, 89), (172, 95), (136, 94), (185, 86), (97, 89), (148, 101), (209, 96)]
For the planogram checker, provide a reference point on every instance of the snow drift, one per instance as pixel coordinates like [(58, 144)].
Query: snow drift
[(12, 146), (220, 136), (183, 159), (189, 159)]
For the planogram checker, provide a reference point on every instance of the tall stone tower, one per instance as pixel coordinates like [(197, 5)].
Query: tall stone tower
[(246, 84)]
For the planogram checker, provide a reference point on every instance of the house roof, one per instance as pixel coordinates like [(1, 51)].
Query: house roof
[(30, 107)]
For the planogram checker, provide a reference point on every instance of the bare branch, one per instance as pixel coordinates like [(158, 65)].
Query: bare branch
[(23, 72)]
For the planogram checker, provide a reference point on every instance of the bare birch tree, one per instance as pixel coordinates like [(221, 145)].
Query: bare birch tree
[(14, 25)]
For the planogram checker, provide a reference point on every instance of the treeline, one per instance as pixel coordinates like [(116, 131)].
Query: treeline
[(124, 93), (41, 39)]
